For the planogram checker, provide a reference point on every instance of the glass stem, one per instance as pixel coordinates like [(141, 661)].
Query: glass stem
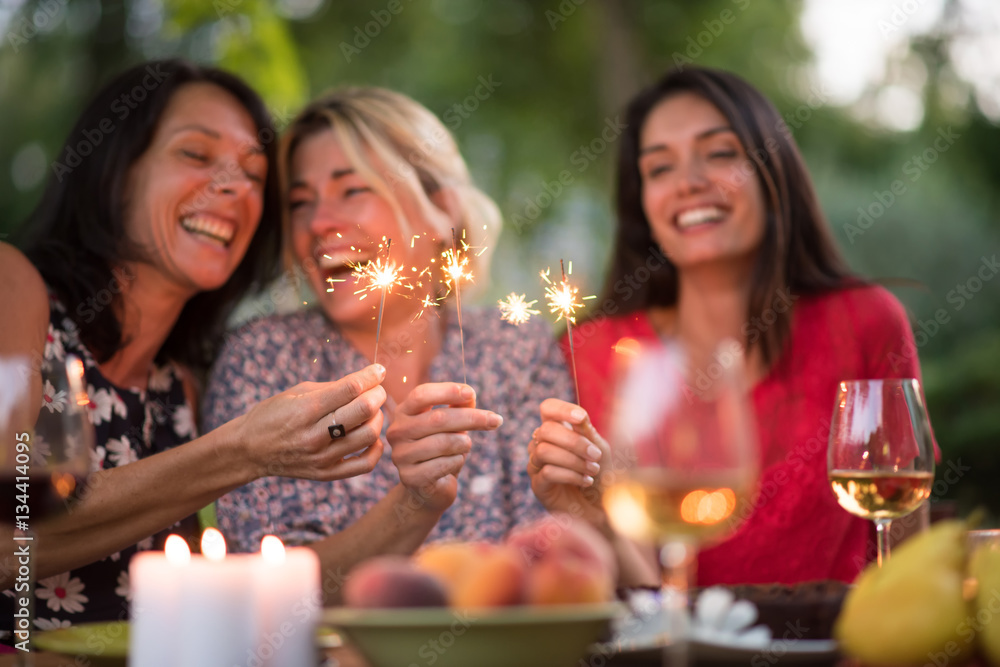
[(677, 558), (882, 538)]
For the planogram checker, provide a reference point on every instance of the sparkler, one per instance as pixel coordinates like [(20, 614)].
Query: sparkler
[(455, 267), (515, 309), (378, 274), (562, 298)]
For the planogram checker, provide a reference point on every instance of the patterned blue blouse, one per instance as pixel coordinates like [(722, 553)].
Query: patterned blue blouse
[(513, 369)]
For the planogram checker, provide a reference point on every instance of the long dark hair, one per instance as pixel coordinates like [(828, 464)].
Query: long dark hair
[(76, 236), (797, 253)]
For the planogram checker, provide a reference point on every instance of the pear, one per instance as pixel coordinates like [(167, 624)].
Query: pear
[(984, 566), (912, 610)]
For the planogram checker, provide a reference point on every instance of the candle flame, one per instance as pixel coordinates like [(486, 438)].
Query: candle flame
[(515, 309), (176, 550), (272, 550), (213, 545)]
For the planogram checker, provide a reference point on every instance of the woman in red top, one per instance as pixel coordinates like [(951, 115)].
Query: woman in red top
[(720, 236)]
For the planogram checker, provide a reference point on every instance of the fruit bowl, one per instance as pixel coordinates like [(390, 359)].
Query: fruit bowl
[(527, 636)]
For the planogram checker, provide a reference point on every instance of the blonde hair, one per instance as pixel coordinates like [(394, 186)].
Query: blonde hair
[(402, 150)]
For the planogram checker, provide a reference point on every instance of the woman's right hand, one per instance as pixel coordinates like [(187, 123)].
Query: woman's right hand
[(566, 461), (288, 434), (430, 440)]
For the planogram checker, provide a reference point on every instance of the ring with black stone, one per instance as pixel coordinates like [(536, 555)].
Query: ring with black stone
[(336, 431)]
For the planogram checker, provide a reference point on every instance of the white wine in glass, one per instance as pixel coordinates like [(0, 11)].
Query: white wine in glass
[(684, 458), (881, 456)]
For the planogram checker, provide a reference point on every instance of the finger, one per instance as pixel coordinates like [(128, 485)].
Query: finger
[(581, 446), (357, 439), (547, 454), (332, 395), (360, 410), (425, 449), (447, 420), (353, 466), (427, 473), (556, 475), (425, 396), (554, 409)]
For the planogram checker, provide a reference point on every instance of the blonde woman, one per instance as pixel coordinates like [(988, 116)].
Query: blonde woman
[(362, 165)]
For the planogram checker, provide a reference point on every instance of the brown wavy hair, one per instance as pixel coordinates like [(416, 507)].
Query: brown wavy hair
[(797, 253)]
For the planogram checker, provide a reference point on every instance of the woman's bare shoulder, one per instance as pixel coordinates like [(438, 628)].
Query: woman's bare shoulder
[(23, 300)]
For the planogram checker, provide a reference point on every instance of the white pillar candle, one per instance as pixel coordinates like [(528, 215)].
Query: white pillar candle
[(288, 606), (216, 607), (155, 607)]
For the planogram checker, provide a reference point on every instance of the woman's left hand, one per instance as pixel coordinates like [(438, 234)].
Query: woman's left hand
[(430, 441), (566, 460)]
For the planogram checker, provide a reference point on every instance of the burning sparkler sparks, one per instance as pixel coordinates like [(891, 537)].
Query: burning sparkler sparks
[(562, 299), (515, 309), (382, 275)]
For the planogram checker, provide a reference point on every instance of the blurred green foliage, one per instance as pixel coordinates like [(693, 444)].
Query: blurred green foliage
[(550, 76)]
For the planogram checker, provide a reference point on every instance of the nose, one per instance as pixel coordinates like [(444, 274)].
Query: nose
[(233, 185), (325, 219), (691, 176)]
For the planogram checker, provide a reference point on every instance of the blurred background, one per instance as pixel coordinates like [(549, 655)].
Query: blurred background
[(895, 104)]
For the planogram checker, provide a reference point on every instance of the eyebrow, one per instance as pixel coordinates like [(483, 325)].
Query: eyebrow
[(702, 135), (255, 149), (335, 174)]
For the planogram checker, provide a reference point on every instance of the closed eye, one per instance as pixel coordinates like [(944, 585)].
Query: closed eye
[(350, 192), (658, 169), (194, 155), (723, 154)]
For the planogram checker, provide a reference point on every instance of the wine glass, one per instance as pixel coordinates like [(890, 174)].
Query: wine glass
[(881, 454), (684, 457), (46, 455)]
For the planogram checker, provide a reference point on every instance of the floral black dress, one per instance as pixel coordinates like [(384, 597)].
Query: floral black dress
[(129, 424)]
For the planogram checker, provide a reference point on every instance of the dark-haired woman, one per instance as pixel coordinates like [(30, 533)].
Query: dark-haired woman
[(174, 213), (720, 236)]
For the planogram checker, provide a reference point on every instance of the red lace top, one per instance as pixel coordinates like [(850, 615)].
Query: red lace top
[(795, 530)]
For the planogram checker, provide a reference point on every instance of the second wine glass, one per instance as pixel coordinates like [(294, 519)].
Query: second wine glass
[(685, 455), (881, 454)]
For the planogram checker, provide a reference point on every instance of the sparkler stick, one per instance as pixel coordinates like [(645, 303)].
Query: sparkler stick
[(454, 265), (515, 309), (562, 300), (378, 274)]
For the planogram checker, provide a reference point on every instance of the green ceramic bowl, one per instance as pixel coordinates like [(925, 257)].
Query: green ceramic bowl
[(556, 636)]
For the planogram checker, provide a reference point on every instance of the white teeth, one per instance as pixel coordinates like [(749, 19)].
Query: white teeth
[(697, 216), (210, 227)]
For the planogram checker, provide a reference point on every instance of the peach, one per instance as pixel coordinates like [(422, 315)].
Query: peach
[(498, 578), (392, 581), (567, 581), (570, 561), (449, 561)]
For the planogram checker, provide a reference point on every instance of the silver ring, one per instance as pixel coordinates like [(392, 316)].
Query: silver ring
[(336, 431)]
